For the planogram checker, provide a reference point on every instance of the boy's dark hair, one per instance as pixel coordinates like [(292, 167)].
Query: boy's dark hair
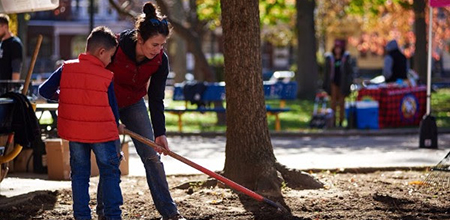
[(151, 23), (4, 19), (101, 37)]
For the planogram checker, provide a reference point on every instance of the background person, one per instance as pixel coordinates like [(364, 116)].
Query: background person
[(338, 78), (395, 63), (140, 62), (88, 118), (10, 52)]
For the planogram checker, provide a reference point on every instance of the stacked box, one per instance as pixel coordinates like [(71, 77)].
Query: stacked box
[(24, 161), (123, 164), (58, 159)]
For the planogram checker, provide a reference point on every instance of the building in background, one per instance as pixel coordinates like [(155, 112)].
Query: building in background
[(66, 28)]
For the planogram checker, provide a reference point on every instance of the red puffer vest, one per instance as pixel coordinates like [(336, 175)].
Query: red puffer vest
[(130, 80), (84, 113)]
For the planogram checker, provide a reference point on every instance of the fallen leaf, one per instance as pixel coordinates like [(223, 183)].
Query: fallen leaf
[(417, 182)]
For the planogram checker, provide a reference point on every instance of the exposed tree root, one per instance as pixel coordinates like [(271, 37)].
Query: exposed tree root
[(295, 179), (298, 179)]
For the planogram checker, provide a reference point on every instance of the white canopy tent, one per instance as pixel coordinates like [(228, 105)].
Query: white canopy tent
[(20, 6)]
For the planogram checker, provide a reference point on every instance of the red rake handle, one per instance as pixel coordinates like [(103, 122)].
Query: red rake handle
[(225, 180)]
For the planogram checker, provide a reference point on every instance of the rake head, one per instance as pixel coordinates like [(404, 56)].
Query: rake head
[(439, 176)]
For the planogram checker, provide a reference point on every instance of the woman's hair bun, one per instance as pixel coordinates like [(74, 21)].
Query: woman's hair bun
[(149, 10)]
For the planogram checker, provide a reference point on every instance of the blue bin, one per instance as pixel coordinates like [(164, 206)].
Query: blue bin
[(367, 114)]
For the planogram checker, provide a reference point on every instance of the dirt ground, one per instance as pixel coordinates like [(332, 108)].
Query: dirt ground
[(375, 195)]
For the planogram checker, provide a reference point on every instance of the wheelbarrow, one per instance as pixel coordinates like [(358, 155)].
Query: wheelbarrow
[(6, 113)]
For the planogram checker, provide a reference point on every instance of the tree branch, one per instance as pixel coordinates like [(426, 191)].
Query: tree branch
[(122, 9)]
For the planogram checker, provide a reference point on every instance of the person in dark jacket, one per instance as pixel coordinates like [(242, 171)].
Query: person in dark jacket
[(395, 63), (88, 117), (141, 68), (338, 78), (10, 52)]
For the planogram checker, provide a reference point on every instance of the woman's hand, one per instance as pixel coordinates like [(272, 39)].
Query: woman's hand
[(121, 128), (162, 142)]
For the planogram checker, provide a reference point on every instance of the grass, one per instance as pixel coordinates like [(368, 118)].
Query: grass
[(295, 120), (440, 107)]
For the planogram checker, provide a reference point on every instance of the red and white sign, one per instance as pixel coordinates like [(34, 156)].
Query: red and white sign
[(439, 3)]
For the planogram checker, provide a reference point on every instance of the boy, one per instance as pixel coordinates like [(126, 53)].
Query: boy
[(88, 117)]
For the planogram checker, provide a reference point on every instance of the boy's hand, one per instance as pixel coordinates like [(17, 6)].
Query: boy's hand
[(162, 142), (121, 128)]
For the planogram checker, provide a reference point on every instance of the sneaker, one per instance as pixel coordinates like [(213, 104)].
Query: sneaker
[(175, 217)]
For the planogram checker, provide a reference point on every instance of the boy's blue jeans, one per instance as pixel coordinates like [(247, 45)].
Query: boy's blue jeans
[(136, 118), (108, 161)]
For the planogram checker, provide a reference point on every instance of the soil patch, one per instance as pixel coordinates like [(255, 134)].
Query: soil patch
[(375, 195)]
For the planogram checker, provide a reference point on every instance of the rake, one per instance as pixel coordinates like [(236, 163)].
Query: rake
[(217, 176), (439, 175)]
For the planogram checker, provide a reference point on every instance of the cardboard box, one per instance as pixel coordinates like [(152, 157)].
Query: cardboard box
[(124, 164), (24, 161), (58, 159)]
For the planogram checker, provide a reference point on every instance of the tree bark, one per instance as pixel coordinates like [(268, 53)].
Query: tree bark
[(249, 155), (307, 69), (178, 49), (420, 29)]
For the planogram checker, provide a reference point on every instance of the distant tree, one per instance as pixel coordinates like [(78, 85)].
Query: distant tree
[(398, 18), (307, 68), (420, 27), (191, 29), (277, 24)]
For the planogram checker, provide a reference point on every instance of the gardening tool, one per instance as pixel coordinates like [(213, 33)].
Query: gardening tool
[(225, 180), (439, 175)]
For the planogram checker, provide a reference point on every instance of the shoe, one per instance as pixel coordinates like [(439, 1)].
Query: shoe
[(175, 217)]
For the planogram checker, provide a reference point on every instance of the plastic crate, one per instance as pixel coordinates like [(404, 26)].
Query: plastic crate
[(367, 114)]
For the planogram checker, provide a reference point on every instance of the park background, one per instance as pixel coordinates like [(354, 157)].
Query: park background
[(295, 25), (290, 40)]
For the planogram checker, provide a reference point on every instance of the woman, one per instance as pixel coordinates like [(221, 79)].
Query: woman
[(337, 78), (139, 58)]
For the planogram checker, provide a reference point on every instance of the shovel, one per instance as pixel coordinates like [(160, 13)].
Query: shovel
[(212, 174)]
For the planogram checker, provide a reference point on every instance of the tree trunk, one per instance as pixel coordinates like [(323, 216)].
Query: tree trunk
[(307, 69), (178, 46), (420, 29), (176, 50), (249, 155)]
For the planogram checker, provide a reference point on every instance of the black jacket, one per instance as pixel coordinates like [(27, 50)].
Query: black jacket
[(24, 122)]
